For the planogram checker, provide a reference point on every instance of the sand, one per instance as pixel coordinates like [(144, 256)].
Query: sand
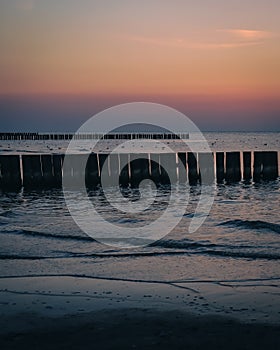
[(141, 329), (78, 313)]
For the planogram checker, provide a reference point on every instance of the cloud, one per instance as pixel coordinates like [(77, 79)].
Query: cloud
[(219, 39), (246, 34), (182, 43)]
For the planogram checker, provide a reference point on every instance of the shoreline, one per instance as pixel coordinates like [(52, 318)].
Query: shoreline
[(47, 311)]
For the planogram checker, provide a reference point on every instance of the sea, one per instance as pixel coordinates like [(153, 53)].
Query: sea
[(239, 241)]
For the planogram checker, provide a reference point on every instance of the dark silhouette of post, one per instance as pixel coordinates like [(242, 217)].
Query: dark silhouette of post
[(74, 171), (57, 160), (139, 167), (92, 173), (270, 165), (182, 167), (258, 162), (206, 168), (102, 164), (32, 171), (124, 170), (168, 168), (265, 165), (192, 168), (247, 170), (10, 176), (220, 167), (233, 171), (114, 166), (155, 167), (47, 171)]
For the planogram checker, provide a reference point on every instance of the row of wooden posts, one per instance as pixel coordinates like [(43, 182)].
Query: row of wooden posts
[(91, 136), (46, 170)]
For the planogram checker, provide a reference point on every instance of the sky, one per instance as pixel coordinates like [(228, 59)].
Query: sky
[(216, 61)]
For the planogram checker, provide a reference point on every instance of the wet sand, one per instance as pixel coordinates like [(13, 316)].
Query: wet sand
[(78, 313), (141, 329)]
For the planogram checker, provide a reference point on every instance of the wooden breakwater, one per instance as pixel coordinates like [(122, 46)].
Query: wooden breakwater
[(12, 136), (46, 170)]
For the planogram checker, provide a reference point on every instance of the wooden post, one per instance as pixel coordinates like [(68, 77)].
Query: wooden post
[(182, 167), (10, 177), (102, 164), (124, 172), (168, 168), (233, 172), (139, 165), (220, 167), (32, 172), (192, 168), (155, 167), (79, 168), (57, 160), (114, 166), (247, 171), (258, 161), (74, 169), (265, 165), (92, 174), (47, 170), (270, 165), (206, 168)]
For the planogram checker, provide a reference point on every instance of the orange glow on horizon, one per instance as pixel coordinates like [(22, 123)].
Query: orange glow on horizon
[(105, 49)]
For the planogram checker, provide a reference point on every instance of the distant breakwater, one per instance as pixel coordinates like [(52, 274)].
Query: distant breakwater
[(47, 171), (12, 136)]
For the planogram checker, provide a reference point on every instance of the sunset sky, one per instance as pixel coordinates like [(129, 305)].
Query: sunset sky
[(216, 61)]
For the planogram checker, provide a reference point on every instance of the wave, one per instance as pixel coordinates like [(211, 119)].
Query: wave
[(101, 255), (181, 244), (73, 255), (243, 255), (255, 225), (23, 257), (214, 249), (50, 235), (220, 253)]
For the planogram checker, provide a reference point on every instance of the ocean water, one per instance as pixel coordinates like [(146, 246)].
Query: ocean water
[(238, 242), (218, 141)]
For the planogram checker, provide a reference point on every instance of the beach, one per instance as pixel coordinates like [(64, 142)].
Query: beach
[(77, 313)]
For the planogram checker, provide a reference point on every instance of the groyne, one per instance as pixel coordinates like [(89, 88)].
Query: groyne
[(12, 136), (46, 170)]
